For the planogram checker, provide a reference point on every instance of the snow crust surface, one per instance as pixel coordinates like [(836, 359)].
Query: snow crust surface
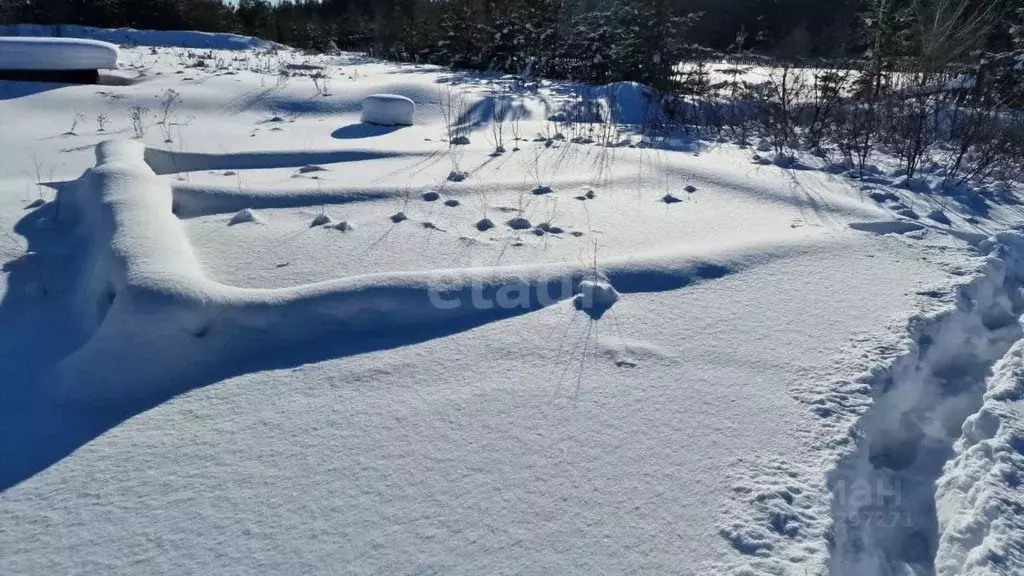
[(202, 370)]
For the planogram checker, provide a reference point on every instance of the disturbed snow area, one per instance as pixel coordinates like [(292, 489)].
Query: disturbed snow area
[(229, 345)]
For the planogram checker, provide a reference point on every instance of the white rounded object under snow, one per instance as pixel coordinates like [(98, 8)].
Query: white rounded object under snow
[(17, 53), (388, 110)]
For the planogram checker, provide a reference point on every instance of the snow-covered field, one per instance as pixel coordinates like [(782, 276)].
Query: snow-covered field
[(251, 334)]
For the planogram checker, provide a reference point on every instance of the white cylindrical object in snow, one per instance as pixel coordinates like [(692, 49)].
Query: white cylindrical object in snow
[(17, 53), (388, 110)]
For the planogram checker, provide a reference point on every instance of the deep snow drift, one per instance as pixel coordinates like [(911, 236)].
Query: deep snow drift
[(245, 331)]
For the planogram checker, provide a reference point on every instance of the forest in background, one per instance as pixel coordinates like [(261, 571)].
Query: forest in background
[(591, 40), (927, 82)]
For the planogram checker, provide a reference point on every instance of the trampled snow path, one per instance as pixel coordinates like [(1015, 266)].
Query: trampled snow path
[(981, 528), (884, 499), (913, 494)]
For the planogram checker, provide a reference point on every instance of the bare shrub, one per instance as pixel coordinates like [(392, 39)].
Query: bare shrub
[(169, 100), (782, 95), (499, 112), (78, 119), (138, 116), (321, 82), (826, 91), (453, 108), (514, 124)]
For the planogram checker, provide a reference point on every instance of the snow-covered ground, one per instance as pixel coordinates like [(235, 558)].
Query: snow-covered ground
[(255, 335)]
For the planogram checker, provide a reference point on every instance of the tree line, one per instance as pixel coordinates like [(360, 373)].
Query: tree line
[(588, 40)]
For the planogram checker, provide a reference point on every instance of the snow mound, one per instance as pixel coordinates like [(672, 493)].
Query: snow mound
[(388, 110), (56, 54), (595, 298), (519, 223), (244, 215), (123, 212)]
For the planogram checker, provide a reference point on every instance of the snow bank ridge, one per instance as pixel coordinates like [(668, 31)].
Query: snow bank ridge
[(157, 325)]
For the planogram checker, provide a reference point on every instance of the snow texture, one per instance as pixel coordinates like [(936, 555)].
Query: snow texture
[(56, 54), (978, 498), (388, 110), (785, 372), (980, 506)]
